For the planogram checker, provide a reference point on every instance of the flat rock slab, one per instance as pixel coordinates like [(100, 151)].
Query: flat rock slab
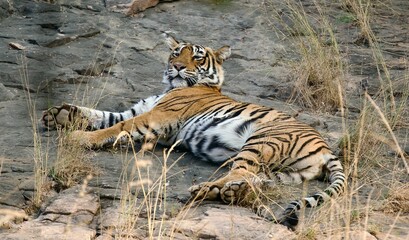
[(72, 202), (38, 230), (231, 223), (9, 192), (111, 217)]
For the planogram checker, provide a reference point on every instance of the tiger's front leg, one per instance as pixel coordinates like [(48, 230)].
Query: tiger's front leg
[(98, 138), (77, 117), (149, 126)]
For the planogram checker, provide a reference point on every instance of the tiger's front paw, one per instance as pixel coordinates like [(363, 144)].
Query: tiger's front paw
[(58, 116)]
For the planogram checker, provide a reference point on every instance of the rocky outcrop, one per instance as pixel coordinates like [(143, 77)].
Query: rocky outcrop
[(84, 52)]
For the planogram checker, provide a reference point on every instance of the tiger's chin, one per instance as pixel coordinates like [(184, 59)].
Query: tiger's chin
[(175, 82)]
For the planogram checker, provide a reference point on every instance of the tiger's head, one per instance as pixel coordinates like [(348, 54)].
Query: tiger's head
[(191, 65)]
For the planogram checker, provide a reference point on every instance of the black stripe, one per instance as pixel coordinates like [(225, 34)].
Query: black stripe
[(252, 150), (140, 132), (310, 154), (319, 198), (243, 127), (111, 120), (215, 143), (245, 167), (248, 161), (297, 138), (103, 121), (284, 117), (169, 130), (237, 113), (267, 134), (304, 144), (237, 107)]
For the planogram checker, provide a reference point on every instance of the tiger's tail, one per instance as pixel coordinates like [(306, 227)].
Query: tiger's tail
[(337, 185)]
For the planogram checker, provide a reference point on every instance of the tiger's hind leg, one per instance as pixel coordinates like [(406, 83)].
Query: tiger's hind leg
[(236, 184), (230, 189)]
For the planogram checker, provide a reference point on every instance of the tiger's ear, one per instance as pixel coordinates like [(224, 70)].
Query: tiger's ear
[(171, 42), (223, 53)]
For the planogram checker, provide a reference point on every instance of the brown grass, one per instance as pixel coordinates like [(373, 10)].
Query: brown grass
[(397, 200), (143, 194), (72, 165), (40, 157), (318, 81), (319, 71)]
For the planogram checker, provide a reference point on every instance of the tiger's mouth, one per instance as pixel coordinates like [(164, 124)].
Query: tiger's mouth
[(183, 81), (180, 79)]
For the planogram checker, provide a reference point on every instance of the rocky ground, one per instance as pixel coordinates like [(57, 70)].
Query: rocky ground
[(86, 52)]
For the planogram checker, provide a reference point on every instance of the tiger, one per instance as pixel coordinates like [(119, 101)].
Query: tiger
[(259, 142)]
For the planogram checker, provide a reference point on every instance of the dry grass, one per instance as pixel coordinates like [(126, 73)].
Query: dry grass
[(318, 82), (317, 77), (397, 200), (72, 165), (143, 203), (319, 71), (362, 11), (73, 162), (40, 157)]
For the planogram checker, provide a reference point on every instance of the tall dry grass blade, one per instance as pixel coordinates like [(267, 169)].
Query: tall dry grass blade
[(388, 127), (40, 157)]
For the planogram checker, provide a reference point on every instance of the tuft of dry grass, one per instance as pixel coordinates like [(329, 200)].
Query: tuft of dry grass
[(72, 164), (40, 157), (140, 195), (398, 199), (317, 77), (362, 10), (319, 70)]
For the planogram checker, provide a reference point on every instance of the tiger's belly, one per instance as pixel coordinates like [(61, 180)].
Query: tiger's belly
[(215, 138)]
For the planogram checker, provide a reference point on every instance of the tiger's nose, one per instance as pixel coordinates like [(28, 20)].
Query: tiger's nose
[(179, 66)]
